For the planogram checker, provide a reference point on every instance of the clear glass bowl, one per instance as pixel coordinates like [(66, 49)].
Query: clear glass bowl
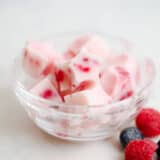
[(83, 123)]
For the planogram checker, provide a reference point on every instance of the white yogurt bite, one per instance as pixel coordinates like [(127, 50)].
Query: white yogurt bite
[(76, 46), (84, 67), (92, 96), (39, 58), (98, 46), (94, 44), (46, 90)]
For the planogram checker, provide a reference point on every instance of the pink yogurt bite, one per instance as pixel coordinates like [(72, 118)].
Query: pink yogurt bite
[(120, 76), (117, 82), (40, 58), (126, 62)]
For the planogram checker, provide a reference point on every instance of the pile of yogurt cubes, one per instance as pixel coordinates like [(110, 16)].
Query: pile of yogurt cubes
[(87, 73)]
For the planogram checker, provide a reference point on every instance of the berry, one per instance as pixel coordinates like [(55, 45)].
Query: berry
[(140, 150), (148, 122), (129, 134), (84, 85), (126, 95), (82, 68), (47, 93), (85, 59), (60, 76), (158, 150)]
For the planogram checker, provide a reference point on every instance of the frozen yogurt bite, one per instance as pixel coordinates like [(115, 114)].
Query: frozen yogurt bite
[(87, 60)]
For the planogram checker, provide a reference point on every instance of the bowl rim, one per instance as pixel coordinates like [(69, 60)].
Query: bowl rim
[(115, 103)]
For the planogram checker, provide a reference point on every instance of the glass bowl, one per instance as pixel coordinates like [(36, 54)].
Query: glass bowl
[(80, 122)]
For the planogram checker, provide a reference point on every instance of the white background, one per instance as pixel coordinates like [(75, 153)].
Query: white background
[(136, 20)]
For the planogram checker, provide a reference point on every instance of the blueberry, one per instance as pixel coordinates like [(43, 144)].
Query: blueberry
[(158, 150), (129, 134)]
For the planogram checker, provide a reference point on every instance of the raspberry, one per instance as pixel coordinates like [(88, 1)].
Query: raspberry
[(148, 122), (140, 150)]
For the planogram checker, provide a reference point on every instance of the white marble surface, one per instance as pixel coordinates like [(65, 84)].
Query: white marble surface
[(137, 20)]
